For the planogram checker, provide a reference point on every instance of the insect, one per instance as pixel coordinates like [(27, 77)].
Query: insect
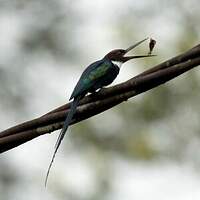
[(152, 44)]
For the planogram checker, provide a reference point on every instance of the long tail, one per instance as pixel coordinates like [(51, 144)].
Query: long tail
[(63, 131)]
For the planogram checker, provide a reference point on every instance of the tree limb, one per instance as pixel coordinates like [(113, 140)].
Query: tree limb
[(103, 100)]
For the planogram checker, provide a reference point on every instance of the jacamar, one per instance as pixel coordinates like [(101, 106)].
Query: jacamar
[(96, 75)]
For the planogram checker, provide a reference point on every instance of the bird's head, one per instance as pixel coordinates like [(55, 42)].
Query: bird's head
[(118, 55)]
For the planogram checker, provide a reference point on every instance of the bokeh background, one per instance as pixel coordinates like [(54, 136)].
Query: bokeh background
[(146, 148)]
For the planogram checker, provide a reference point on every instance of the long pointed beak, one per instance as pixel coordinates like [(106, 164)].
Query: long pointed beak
[(126, 58), (133, 57), (135, 45), (140, 56)]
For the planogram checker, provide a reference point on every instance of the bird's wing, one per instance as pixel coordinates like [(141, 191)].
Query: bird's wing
[(90, 76)]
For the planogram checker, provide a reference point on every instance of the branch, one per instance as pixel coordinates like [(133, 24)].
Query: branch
[(103, 100)]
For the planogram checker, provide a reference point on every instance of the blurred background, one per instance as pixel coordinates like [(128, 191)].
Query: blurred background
[(146, 148)]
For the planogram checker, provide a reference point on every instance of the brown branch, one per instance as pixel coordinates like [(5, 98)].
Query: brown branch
[(103, 100)]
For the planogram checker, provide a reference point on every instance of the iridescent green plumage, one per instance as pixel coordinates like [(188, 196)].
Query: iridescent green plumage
[(97, 75)]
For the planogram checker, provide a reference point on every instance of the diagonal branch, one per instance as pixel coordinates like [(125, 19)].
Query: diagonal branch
[(103, 100)]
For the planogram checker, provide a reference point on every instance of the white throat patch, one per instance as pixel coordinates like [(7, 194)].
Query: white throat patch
[(119, 64)]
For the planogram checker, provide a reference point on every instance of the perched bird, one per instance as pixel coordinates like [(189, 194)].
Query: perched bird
[(98, 74)]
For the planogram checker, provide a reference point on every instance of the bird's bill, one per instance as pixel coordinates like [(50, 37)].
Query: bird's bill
[(133, 57), (126, 58), (135, 45)]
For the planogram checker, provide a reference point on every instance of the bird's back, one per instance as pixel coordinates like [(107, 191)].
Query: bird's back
[(95, 76)]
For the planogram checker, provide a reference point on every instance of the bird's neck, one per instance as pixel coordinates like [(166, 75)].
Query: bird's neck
[(117, 63)]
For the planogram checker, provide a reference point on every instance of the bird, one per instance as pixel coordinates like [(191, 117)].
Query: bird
[(97, 75)]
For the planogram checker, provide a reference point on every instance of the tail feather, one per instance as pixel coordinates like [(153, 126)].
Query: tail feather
[(63, 131)]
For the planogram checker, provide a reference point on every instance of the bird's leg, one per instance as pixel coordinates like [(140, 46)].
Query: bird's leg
[(101, 89), (93, 93)]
